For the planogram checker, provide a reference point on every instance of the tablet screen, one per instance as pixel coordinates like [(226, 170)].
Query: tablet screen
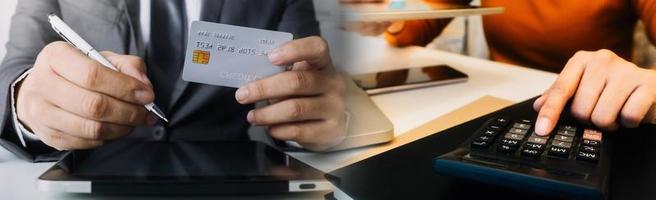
[(182, 160)]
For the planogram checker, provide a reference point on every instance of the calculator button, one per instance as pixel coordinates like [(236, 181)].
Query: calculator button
[(589, 149), (566, 133), (522, 126), (561, 144), (518, 131), (484, 138), (591, 143), (534, 146), (514, 136), (568, 128), (537, 139), (526, 121), (589, 134), (531, 152), (510, 142), (503, 148), (500, 122), (559, 152), (495, 127), (592, 157), (564, 138), (480, 144), (535, 134), (491, 133)]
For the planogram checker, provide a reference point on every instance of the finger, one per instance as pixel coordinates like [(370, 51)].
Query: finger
[(292, 110), (610, 103), (367, 28), (301, 66), (61, 141), (133, 66), (77, 68), (370, 28), (537, 104), (92, 105), (79, 127), (313, 49), (589, 90), (291, 83), (312, 135), (378, 28), (636, 107), (558, 95), (354, 26)]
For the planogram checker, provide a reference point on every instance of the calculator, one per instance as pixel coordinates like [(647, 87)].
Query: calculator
[(572, 161)]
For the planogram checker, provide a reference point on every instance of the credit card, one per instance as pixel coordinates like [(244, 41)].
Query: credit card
[(230, 56)]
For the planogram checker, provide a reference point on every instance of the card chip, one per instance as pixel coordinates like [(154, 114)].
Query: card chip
[(201, 57)]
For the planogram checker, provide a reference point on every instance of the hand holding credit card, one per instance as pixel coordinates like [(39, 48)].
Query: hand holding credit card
[(306, 99), (230, 56)]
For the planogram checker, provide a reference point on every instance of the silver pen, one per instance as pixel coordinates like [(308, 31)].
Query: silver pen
[(74, 39)]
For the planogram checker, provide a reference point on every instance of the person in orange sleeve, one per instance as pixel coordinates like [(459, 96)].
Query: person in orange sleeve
[(589, 42)]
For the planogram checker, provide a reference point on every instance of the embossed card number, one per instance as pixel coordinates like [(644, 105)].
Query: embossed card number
[(230, 56)]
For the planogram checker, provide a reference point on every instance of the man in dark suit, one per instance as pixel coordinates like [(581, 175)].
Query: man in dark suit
[(56, 98)]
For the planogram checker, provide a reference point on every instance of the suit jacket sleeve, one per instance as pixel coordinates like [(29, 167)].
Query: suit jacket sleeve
[(29, 33)]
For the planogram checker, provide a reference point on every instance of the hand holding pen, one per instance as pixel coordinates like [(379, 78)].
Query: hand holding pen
[(74, 98)]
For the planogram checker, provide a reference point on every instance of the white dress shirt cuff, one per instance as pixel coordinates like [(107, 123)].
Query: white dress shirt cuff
[(23, 133)]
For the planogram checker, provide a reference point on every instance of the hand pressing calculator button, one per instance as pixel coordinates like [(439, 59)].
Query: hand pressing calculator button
[(571, 160)]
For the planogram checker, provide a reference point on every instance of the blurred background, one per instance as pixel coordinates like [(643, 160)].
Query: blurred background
[(464, 35)]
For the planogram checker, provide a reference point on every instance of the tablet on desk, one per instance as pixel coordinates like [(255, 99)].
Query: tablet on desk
[(138, 167), (408, 78), (392, 10)]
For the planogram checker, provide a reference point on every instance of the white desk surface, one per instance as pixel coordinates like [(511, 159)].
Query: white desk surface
[(410, 109), (406, 110)]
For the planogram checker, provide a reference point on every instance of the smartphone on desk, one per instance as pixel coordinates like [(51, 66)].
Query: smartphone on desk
[(408, 78)]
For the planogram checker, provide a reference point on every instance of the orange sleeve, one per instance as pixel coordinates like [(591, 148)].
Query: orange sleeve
[(421, 32), (647, 11)]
